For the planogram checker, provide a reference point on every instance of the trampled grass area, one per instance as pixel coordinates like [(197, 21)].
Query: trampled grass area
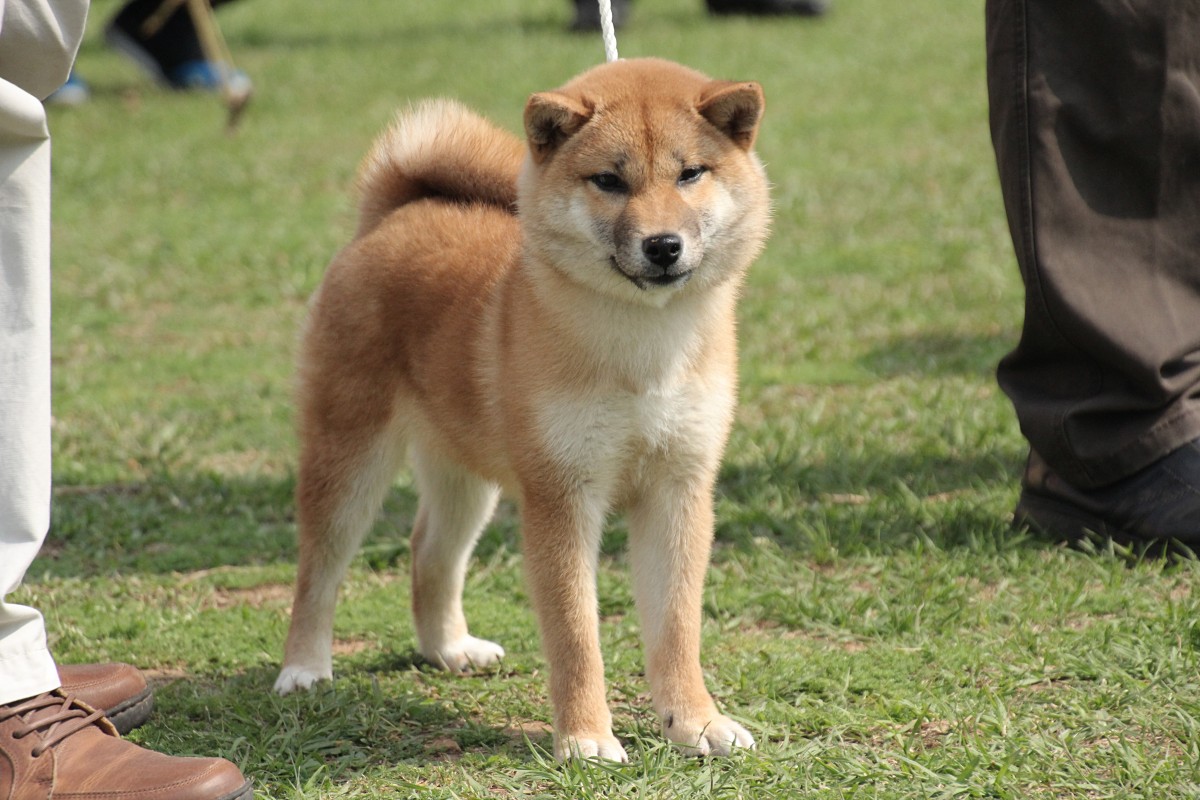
[(870, 615)]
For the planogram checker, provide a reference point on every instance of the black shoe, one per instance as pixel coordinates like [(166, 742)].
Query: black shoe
[(800, 8), (587, 15), (1159, 505)]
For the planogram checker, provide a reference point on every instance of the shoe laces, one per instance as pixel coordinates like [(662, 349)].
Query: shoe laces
[(52, 726)]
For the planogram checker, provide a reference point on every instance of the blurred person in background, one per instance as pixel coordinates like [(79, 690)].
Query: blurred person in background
[(160, 36)]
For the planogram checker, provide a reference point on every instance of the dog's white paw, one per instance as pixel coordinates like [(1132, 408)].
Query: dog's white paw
[(717, 736), (292, 678), (464, 655), (605, 747)]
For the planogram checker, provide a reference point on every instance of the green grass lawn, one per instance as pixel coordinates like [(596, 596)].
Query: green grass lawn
[(870, 616)]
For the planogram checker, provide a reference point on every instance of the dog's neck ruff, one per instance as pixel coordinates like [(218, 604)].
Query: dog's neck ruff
[(640, 345)]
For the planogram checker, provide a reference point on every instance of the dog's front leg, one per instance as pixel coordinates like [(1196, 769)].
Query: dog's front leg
[(670, 538), (561, 534)]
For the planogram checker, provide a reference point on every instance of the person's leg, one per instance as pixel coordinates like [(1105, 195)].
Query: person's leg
[(26, 668), (25, 662), (587, 15), (1096, 126), (170, 50), (1095, 120), (50, 744), (174, 41)]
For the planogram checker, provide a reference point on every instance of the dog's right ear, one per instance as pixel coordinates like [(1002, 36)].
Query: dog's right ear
[(550, 119), (734, 108)]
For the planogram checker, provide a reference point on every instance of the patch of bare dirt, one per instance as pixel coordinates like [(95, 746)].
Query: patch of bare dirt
[(268, 594)]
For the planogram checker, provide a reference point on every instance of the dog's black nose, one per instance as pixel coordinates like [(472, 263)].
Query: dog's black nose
[(662, 250)]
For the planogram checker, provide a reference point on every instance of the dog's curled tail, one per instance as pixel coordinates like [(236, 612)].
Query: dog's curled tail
[(438, 148)]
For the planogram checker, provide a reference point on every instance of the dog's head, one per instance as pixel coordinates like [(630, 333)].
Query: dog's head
[(641, 181)]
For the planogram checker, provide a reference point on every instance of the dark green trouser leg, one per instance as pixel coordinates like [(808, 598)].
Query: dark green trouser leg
[(1095, 116)]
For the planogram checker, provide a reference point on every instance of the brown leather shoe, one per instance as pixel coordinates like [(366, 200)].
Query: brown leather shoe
[(119, 690), (54, 746)]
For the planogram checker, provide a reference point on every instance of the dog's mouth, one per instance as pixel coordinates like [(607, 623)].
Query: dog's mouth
[(645, 282)]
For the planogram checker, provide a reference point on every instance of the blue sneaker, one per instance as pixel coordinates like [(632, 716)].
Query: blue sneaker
[(72, 93), (207, 76)]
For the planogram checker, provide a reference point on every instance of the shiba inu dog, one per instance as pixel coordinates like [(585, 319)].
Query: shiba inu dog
[(555, 319)]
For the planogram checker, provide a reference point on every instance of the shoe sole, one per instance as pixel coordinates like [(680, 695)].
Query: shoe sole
[(131, 713), (1067, 523), (1058, 519), (244, 793)]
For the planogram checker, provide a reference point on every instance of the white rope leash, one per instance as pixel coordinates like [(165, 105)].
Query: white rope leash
[(608, 31)]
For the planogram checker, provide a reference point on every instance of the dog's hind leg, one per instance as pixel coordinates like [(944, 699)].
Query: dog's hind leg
[(455, 505), (342, 481)]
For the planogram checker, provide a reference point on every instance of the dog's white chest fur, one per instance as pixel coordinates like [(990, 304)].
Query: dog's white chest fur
[(616, 439)]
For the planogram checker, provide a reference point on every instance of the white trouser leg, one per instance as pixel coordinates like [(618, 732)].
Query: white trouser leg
[(38, 40), (26, 668)]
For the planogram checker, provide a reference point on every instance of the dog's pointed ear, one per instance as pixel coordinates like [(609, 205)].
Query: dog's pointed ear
[(735, 108), (550, 119)]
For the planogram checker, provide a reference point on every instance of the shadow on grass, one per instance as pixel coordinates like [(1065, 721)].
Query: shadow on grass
[(168, 523), (182, 523), (939, 354), (847, 503), (367, 720), (194, 522)]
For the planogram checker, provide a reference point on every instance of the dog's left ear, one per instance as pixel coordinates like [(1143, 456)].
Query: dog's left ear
[(550, 119), (734, 108)]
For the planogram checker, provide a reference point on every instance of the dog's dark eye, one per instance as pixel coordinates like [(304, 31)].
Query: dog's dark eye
[(691, 174), (608, 182)]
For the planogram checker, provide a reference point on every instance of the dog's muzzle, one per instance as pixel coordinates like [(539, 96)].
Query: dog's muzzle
[(659, 263)]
